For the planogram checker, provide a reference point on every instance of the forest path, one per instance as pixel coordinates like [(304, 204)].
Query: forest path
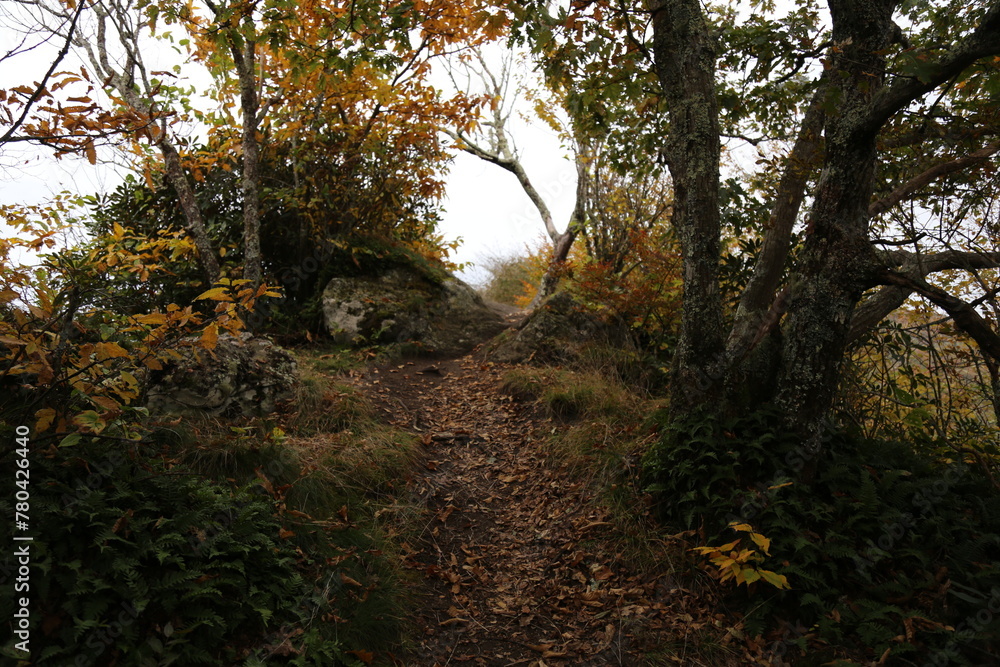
[(512, 572)]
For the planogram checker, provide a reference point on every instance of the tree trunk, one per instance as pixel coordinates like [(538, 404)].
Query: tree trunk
[(685, 65), (245, 59), (560, 251), (192, 212), (838, 261)]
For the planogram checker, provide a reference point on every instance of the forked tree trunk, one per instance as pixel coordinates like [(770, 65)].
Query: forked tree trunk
[(838, 262)]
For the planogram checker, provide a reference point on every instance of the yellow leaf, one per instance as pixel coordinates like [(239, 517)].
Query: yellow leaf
[(45, 417), (110, 351), (152, 318), (741, 527), (91, 152), (119, 232), (761, 542), (153, 363), (776, 580), (215, 294)]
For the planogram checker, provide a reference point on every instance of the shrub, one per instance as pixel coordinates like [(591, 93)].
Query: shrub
[(882, 549), (139, 563), (514, 278)]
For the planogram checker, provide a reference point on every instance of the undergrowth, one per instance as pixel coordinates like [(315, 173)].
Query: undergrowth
[(888, 553), (214, 543)]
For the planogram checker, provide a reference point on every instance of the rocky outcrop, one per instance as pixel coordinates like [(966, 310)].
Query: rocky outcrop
[(403, 306), (556, 331), (244, 376)]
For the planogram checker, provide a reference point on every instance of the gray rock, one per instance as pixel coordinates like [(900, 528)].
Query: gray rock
[(556, 331), (403, 306), (244, 376)]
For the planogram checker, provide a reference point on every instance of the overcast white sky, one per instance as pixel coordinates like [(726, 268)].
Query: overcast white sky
[(484, 206)]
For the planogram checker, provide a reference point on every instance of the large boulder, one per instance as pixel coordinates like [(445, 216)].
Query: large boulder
[(404, 306), (244, 376), (557, 331)]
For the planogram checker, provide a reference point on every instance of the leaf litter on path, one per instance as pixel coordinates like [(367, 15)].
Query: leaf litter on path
[(512, 572)]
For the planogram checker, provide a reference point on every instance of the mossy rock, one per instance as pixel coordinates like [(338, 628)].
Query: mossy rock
[(557, 331), (404, 306), (244, 376)]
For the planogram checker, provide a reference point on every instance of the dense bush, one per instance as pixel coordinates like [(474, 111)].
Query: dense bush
[(135, 563), (883, 550)]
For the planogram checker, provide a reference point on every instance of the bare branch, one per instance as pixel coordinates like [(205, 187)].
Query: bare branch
[(937, 171), (915, 268), (963, 314), (500, 152)]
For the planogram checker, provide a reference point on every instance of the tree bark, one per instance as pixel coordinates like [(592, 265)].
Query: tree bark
[(838, 261), (684, 56), (244, 56), (758, 296), (207, 257)]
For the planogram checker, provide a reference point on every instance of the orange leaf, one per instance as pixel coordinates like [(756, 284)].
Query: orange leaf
[(349, 581), (364, 656), (210, 336)]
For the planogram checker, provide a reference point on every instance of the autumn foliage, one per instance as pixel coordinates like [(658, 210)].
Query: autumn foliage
[(80, 368)]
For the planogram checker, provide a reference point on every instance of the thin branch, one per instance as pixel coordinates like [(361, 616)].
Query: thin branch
[(984, 41), (937, 171), (40, 88)]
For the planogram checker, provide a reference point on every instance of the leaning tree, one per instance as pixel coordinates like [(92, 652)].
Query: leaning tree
[(871, 119)]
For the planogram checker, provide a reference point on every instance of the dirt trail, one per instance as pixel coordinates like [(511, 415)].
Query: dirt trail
[(512, 573)]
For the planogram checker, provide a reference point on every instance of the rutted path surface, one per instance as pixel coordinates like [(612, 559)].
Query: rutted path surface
[(513, 575)]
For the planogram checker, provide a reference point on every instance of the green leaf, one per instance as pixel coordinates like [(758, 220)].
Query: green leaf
[(776, 580)]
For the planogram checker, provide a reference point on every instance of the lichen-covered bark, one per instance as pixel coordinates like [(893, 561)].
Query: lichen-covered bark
[(685, 56), (795, 361), (837, 262), (244, 57)]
